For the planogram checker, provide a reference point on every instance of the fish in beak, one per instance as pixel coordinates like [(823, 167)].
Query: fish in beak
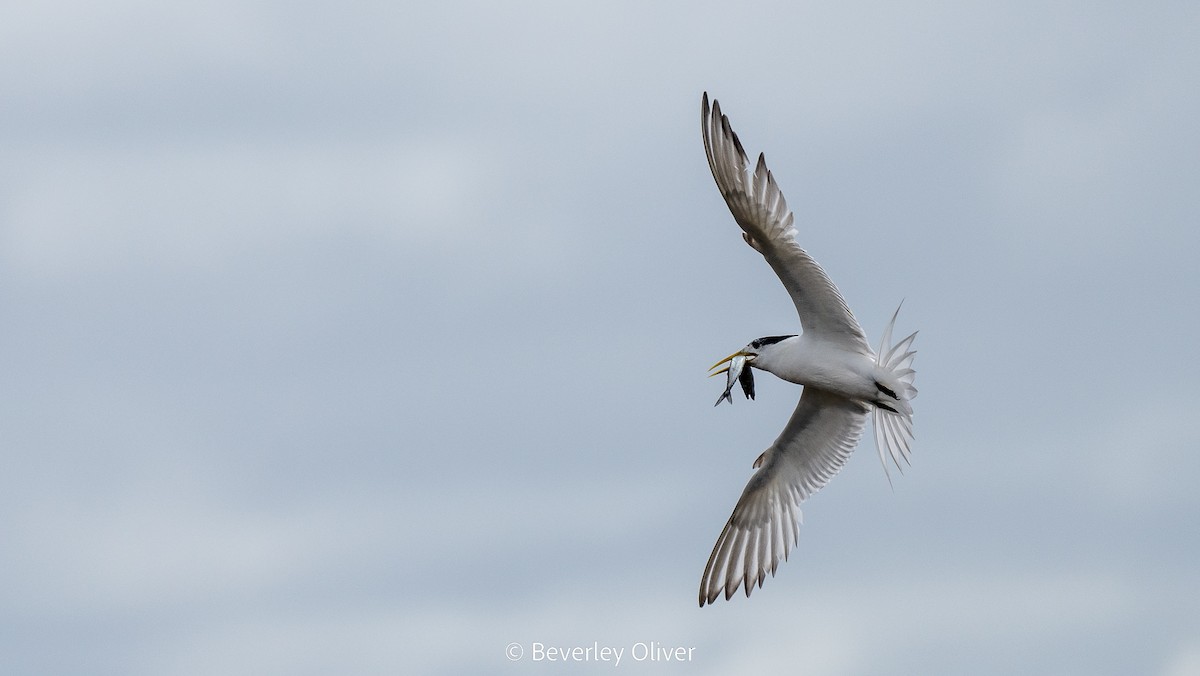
[(738, 371)]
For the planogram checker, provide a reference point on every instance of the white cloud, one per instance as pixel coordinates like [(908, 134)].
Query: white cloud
[(1185, 661), (73, 50), (74, 210)]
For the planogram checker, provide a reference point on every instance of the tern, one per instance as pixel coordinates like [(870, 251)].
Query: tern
[(844, 379)]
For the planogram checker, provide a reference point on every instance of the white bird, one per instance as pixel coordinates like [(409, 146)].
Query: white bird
[(843, 378)]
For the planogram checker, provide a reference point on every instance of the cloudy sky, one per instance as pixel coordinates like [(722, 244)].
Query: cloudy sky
[(371, 338)]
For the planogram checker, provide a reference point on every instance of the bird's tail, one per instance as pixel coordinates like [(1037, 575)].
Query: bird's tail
[(892, 418)]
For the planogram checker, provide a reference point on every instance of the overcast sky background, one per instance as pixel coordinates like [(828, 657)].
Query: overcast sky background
[(369, 338)]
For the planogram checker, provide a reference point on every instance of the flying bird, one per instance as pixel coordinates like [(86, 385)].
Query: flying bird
[(844, 379)]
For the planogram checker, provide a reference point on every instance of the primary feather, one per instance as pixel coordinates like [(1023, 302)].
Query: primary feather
[(760, 209)]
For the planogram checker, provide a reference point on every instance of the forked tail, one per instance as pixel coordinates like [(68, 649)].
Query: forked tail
[(893, 428)]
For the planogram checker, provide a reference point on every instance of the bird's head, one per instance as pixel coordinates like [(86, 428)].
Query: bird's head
[(759, 353)]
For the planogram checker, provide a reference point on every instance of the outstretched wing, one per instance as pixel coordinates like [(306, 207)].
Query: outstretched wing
[(764, 527), (762, 212)]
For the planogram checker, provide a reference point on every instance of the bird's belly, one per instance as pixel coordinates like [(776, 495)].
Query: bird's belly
[(847, 374)]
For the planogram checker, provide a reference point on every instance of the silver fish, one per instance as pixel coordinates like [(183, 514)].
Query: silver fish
[(736, 372)]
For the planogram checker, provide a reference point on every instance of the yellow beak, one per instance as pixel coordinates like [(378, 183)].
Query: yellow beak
[(739, 353)]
